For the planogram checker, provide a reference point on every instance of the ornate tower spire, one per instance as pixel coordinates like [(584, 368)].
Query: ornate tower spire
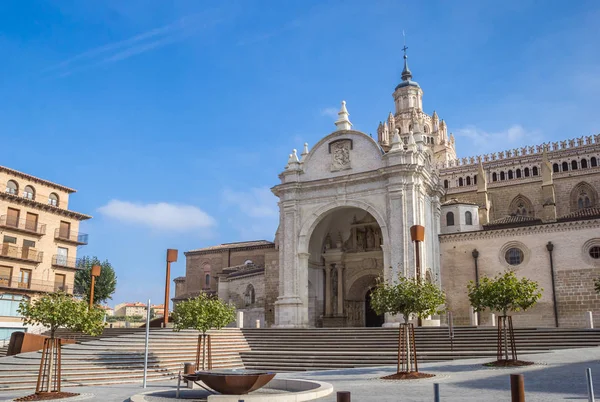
[(406, 74), (343, 123)]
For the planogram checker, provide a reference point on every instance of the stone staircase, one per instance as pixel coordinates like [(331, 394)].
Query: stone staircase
[(119, 358), (335, 348)]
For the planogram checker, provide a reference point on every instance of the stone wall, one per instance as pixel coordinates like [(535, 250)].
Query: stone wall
[(576, 296), (271, 285)]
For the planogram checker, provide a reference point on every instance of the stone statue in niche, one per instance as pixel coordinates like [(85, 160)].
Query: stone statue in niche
[(370, 238), (360, 240), (340, 152)]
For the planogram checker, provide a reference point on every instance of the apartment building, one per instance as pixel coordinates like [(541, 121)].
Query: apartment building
[(39, 238), (130, 309)]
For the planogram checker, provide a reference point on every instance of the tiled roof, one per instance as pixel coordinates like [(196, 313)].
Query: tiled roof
[(37, 179), (587, 213), (228, 246), (513, 220), (243, 272), (455, 201)]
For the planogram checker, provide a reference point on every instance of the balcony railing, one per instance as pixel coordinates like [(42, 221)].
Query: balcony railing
[(7, 282), (62, 261), (71, 236), (27, 254), (22, 225)]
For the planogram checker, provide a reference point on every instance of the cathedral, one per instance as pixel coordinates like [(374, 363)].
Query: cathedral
[(347, 204)]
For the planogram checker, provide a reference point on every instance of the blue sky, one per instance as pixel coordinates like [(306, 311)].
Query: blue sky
[(173, 119)]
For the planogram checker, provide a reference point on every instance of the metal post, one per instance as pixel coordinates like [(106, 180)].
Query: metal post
[(146, 346), (517, 388), (590, 385), (436, 392), (451, 330), (343, 396), (171, 257), (92, 291), (550, 247)]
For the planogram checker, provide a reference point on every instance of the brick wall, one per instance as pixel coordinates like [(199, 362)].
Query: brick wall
[(576, 296)]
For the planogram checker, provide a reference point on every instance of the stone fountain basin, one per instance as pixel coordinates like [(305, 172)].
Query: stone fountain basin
[(232, 382)]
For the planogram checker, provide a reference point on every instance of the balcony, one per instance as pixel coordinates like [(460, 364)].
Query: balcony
[(22, 225), (81, 239), (64, 262), (7, 282), (24, 254)]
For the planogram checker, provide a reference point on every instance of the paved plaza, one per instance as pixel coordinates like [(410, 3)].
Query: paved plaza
[(557, 376)]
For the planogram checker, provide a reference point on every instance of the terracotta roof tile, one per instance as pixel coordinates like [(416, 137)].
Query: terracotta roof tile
[(227, 246), (582, 214), (513, 220)]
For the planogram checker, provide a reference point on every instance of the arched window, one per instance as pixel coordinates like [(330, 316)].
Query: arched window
[(583, 196), (29, 193), (494, 177), (207, 280), (475, 179), (445, 183), (468, 180), (250, 295), (521, 206), (460, 181), (584, 164), (565, 167), (555, 168), (53, 199), (574, 165), (502, 176), (426, 130), (593, 161), (526, 171), (9, 303), (449, 219), (510, 175), (518, 173), (468, 218), (12, 187), (535, 170)]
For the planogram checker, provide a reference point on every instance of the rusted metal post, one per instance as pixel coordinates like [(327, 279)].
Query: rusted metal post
[(517, 388), (343, 396), (417, 235), (171, 257), (94, 273)]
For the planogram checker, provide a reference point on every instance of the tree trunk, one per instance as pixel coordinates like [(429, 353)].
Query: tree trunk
[(505, 337)]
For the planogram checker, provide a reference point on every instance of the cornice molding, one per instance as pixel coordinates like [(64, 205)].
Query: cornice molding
[(44, 207)]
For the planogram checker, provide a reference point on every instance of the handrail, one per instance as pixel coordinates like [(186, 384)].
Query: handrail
[(71, 236)]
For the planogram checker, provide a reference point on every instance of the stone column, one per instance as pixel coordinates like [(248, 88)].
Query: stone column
[(328, 306), (340, 289)]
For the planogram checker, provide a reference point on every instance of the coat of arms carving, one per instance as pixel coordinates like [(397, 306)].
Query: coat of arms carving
[(340, 153)]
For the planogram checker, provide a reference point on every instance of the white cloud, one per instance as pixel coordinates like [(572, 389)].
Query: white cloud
[(162, 215), (475, 140), (330, 111), (258, 202)]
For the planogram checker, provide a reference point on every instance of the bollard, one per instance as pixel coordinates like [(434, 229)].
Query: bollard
[(474, 321), (240, 319), (436, 392), (493, 320), (257, 323), (517, 388), (590, 385), (343, 396), (189, 368), (590, 319)]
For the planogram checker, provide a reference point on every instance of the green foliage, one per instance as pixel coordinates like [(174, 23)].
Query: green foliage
[(105, 285), (61, 310), (408, 296), (202, 313), (504, 293)]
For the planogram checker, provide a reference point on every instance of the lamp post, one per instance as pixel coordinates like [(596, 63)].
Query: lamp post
[(171, 257), (550, 248), (95, 273), (475, 255), (417, 235)]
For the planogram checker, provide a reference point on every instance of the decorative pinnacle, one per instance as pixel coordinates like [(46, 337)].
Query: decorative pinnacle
[(343, 123), (305, 151), (406, 74)]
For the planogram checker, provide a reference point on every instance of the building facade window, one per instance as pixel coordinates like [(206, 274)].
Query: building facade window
[(526, 172), (468, 218), (12, 187), (445, 183), (535, 171), (29, 193), (565, 167), (583, 196), (494, 177), (207, 280), (460, 181), (593, 161), (475, 179), (595, 252), (502, 176), (574, 165), (9, 303), (53, 199), (510, 175), (514, 256), (584, 164), (250, 295), (518, 173), (468, 180), (555, 168), (450, 219)]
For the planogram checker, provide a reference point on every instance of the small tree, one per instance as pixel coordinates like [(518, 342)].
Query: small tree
[(54, 311), (105, 284), (504, 293), (202, 313), (407, 297)]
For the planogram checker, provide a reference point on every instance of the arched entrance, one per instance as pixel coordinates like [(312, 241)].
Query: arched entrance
[(372, 319), (345, 258)]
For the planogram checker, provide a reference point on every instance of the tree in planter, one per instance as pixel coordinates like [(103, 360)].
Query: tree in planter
[(407, 297), (105, 284), (54, 311), (504, 293), (202, 313)]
